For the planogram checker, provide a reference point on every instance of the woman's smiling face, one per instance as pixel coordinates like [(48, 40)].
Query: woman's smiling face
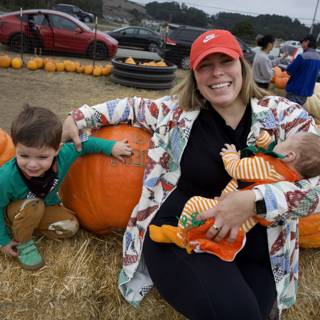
[(219, 79)]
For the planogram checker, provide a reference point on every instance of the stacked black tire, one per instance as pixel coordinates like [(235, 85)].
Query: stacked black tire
[(142, 76)]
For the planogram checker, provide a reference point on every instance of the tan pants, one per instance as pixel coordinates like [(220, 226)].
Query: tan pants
[(31, 216)]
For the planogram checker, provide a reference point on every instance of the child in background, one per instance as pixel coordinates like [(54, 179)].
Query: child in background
[(291, 160), (29, 183)]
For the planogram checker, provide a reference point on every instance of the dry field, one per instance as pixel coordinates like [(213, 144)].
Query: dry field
[(79, 280)]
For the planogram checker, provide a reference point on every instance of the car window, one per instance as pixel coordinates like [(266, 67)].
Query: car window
[(40, 20), (75, 10), (62, 23), (145, 32), (189, 35), (66, 9), (130, 31)]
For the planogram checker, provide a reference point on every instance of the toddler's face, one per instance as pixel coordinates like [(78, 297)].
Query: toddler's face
[(34, 162)]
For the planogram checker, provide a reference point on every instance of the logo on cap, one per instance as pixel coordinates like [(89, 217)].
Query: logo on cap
[(209, 37)]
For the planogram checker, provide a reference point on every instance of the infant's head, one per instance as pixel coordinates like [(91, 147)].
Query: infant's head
[(302, 152)]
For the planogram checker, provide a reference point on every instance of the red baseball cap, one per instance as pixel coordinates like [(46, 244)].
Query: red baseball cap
[(214, 41)]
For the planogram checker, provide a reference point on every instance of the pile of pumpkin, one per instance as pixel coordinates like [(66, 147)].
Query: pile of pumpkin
[(51, 65), (280, 78), (152, 63)]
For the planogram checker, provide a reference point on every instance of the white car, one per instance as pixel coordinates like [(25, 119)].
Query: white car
[(291, 43)]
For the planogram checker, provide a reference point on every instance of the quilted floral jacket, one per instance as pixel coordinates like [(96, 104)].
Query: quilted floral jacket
[(170, 127)]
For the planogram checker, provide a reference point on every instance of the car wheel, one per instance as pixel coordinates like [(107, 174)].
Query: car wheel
[(153, 47), (185, 63), (16, 41), (100, 53), (86, 19)]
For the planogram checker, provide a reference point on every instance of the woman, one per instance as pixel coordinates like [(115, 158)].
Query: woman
[(262, 64), (217, 103)]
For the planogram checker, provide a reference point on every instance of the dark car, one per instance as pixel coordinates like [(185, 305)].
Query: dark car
[(178, 44), (139, 37), (54, 31), (75, 11)]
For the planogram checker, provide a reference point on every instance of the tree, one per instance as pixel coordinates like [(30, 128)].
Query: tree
[(244, 30)]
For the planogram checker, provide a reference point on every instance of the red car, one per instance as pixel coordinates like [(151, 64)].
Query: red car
[(54, 31)]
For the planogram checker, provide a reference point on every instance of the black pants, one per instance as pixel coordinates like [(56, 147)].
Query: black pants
[(201, 286)]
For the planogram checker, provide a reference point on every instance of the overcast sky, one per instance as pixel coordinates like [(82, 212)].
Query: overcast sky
[(301, 9)]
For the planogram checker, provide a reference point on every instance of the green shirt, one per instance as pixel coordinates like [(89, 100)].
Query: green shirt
[(13, 188)]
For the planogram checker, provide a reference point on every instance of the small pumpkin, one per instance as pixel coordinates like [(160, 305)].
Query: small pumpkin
[(32, 65), (88, 69), (106, 70), (39, 62), (5, 61), (16, 63), (281, 80), (130, 60), (7, 150), (69, 66), (50, 66), (161, 63), (276, 73), (97, 71), (60, 66), (103, 191), (79, 68)]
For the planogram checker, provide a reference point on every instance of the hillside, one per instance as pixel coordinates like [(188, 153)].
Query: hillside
[(123, 9)]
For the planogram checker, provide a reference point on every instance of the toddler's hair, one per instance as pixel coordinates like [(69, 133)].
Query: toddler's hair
[(37, 127), (308, 155)]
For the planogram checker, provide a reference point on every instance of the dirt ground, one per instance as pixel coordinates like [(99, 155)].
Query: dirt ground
[(59, 91)]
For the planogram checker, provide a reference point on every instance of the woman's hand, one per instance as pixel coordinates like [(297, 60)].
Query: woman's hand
[(70, 132), (231, 212), (121, 148), (9, 249)]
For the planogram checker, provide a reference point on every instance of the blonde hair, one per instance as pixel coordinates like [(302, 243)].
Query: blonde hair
[(307, 148), (190, 98)]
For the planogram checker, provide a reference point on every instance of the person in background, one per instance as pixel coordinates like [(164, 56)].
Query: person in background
[(304, 72), (262, 65), (218, 102)]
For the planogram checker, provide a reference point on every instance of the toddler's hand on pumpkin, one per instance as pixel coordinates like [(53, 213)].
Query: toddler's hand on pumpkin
[(121, 148)]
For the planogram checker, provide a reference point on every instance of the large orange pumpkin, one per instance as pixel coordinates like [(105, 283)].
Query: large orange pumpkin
[(309, 231), (102, 190), (7, 150)]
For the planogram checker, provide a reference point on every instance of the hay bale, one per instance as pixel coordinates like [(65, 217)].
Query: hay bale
[(79, 282), (308, 298)]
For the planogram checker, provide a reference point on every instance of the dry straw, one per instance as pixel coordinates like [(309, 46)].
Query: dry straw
[(79, 281)]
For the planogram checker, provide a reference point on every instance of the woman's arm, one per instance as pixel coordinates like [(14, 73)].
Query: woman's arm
[(141, 112), (283, 199), (286, 199)]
